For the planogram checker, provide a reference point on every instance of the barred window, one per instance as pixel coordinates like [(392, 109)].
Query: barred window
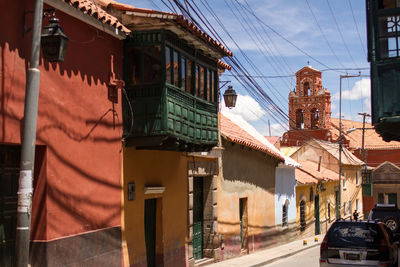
[(285, 214)]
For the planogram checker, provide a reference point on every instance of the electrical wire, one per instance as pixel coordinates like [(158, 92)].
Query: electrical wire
[(323, 34), (340, 33), (355, 24)]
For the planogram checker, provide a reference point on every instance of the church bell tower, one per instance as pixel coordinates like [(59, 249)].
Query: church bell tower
[(309, 103)]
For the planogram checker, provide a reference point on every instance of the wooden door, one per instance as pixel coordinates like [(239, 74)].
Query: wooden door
[(150, 230), (9, 173), (243, 222), (316, 213), (197, 218)]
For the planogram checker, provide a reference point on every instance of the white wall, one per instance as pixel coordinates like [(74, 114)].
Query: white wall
[(285, 189)]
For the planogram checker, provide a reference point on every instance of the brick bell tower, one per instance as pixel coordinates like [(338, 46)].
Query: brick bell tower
[(310, 103), (309, 109)]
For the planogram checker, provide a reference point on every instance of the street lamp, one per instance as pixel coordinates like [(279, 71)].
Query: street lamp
[(53, 41), (230, 97)]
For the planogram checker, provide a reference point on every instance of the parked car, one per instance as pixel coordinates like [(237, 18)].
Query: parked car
[(387, 213), (358, 243)]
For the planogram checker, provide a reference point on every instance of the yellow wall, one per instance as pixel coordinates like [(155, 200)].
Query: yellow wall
[(352, 190), (155, 168), (303, 192)]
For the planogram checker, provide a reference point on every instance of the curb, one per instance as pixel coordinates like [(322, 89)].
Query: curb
[(284, 256)]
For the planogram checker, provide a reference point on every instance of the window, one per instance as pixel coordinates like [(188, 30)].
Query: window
[(381, 198), (201, 82), (285, 214), (357, 178), (168, 64), (306, 88), (384, 4), (189, 76), (344, 182), (299, 119), (134, 66), (345, 208), (350, 208), (358, 205), (392, 198), (152, 64), (314, 118), (176, 68), (329, 211), (302, 215), (183, 74), (197, 82)]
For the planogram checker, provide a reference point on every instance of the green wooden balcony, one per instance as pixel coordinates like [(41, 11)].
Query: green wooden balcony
[(172, 94), (168, 118)]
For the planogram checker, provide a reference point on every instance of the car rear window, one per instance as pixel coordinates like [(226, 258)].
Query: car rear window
[(354, 234)]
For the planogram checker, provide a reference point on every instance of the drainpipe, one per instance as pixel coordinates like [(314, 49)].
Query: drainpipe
[(25, 189)]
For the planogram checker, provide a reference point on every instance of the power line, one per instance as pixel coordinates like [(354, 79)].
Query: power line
[(340, 32), (323, 34), (355, 24)]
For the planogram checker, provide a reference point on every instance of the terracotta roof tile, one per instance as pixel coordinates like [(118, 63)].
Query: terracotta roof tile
[(372, 139), (236, 134), (273, 139), (304, 177), (178, 19), (90, 8), (323, 174)]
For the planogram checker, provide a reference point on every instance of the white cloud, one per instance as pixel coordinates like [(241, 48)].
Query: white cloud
[(361, 89), (246, 107), (333, 106)]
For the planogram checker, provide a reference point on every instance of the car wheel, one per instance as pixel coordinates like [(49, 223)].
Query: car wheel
[(392, 223)]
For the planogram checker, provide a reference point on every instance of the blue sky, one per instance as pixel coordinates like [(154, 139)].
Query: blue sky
[(283, 37)]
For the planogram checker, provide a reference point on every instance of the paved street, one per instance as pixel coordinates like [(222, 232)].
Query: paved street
[(307, 258)]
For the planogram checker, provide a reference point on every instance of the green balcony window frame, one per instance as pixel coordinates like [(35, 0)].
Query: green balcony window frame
[(167, 109)]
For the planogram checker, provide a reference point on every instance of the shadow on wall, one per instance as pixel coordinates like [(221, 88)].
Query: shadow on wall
[(249, 166)]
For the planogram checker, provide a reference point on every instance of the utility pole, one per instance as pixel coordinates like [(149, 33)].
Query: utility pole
[(25, 189), (340, 138), (269, 128), (363, 135)]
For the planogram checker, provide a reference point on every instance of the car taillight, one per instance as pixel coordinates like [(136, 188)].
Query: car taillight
[(324, 247)]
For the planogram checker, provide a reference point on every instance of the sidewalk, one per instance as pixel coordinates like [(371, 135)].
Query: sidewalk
[(269, 255)]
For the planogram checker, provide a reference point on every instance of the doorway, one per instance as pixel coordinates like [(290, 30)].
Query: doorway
[(9, 173), (243, 222), (316, 213), (198, 218)]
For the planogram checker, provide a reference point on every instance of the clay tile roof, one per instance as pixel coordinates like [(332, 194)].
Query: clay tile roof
[(224, 65), (372, 140), (323, 173), (90, 8), (273, 139), (179, 20), (236, 134), (304, 177)]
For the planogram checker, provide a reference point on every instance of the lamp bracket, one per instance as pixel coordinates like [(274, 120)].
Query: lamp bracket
[(46, 13)]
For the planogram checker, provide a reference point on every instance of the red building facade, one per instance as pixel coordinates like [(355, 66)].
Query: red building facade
[(77, 177)]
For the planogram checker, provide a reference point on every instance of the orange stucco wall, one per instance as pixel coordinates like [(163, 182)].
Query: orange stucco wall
[(78, 127), (155, 168), (247, 174)]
